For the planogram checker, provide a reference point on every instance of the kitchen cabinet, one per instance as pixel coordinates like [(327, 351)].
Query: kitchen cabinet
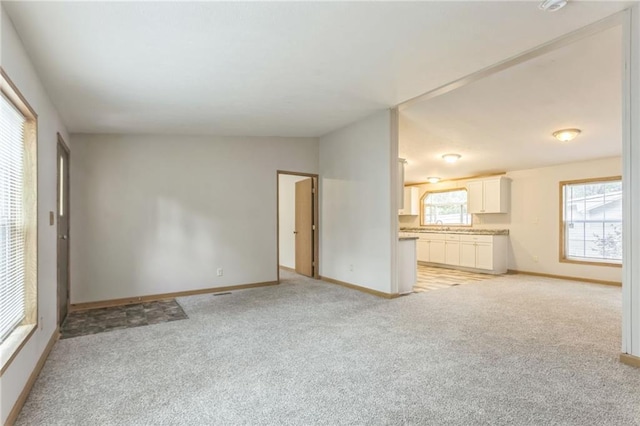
[(411, 204), (400, 183), (436, 251), (488, 195), (468, 254), (476, 255), (452, 249), (431, 247), (484, 258), (423, 250), (485, 252)]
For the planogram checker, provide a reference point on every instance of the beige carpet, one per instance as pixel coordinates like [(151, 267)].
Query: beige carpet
[(511, 351)]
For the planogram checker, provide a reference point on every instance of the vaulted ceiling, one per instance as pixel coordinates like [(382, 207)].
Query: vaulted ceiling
[(276, 69)]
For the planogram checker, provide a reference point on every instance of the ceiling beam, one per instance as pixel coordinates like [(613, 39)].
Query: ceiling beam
[(557, 43)]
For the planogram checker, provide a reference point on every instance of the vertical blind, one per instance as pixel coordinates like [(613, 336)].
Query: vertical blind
[(12, 224)]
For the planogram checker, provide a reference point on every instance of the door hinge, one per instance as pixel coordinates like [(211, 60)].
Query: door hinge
[(313, 263), (313, 190), (313, 227)]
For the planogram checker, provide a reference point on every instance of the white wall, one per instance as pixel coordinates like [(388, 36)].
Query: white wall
[(16, 63), (159, 214), (533, 220), (355, 202), (287, 218)]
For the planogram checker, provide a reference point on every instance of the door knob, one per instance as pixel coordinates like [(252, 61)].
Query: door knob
[(295, 232), (63, 237)]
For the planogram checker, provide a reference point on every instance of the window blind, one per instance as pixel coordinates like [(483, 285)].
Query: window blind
[(12, 224)]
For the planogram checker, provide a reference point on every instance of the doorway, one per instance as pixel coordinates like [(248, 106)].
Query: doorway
[(297, 223), (62, 214)]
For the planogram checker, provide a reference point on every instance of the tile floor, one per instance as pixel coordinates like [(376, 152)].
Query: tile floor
[(92, 321), (433, 278)]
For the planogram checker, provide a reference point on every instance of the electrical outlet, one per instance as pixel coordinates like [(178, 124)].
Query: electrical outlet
[(219, 272), (535, 259), (351, 267)]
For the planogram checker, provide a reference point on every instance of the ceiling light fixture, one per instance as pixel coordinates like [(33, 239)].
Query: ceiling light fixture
[(552, 5), (451, 158), (433, 179), (566, 135)]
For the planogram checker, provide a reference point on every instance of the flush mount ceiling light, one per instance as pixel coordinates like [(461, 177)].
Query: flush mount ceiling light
[(552, 5), (566, 135), (433, 179), (451, 158)]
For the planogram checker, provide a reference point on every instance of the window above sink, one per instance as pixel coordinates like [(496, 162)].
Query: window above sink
[(445, 208)]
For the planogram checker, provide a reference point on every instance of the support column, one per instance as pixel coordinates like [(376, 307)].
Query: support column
[(396, 194), (631, 189)]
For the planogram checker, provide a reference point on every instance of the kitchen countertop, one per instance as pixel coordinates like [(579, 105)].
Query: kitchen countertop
[(468, 231)]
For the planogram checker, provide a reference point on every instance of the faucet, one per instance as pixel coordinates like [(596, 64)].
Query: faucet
[(441, 225)]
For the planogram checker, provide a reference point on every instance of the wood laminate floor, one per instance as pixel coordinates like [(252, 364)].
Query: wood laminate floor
[(434, 278)]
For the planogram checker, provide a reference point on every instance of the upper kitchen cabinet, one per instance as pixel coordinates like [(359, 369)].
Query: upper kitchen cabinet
[(488, 195), (411, 204)]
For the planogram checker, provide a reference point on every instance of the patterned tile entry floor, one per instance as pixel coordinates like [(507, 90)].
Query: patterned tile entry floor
[(433, 278), (92, 321)]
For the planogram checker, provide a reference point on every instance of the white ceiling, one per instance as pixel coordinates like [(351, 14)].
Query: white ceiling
[(504, 122), (278, 69)]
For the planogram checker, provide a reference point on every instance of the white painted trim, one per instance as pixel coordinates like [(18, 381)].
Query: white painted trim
[(631, 183)]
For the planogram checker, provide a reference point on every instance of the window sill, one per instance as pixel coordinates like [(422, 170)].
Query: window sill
[(445, 226), (591, 262), (12, 345)]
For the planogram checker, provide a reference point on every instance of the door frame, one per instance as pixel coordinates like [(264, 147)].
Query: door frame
[(65, 147), (316, 221)]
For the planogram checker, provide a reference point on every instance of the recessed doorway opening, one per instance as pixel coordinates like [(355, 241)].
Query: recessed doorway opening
[(297, 223)]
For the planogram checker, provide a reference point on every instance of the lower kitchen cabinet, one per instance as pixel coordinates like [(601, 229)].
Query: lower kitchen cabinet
[(468, 254), (452, 253), (436, 251), (422, 249), (486, 253), (484, 257), (476, 255)]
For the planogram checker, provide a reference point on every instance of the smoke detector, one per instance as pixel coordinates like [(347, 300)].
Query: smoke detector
[(552, 5)]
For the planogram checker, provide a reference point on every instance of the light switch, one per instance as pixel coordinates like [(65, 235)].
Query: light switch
[(51, 218)]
